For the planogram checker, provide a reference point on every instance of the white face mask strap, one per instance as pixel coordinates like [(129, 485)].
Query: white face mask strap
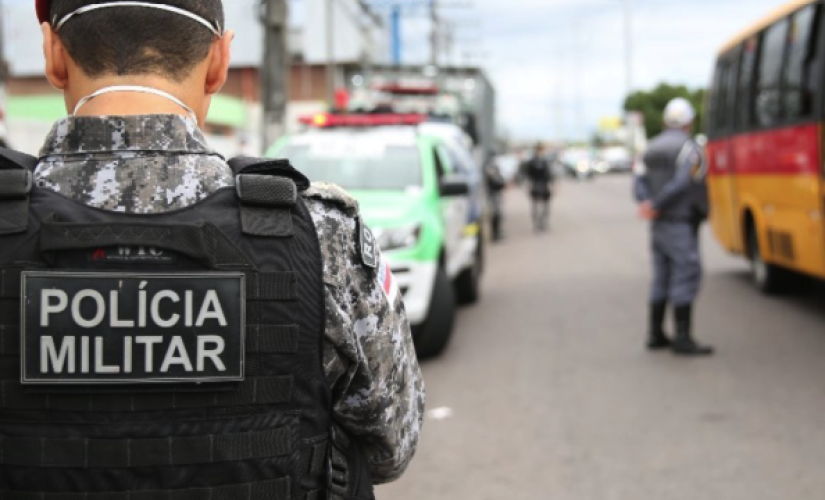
[(135, 88), (214, 28)]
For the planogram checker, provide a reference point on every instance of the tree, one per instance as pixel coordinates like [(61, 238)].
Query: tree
[(652, 105)]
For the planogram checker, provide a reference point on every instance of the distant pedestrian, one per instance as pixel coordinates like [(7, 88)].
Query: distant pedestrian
[(539, 173), (672, 195), (496, 183)]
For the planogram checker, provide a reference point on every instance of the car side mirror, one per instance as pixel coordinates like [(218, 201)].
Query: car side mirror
[(454, 186)]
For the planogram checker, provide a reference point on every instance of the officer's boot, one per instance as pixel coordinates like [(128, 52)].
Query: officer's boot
[(684, 345), (656, 338)]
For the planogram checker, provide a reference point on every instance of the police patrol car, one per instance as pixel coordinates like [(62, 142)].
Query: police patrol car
[(418, 199)]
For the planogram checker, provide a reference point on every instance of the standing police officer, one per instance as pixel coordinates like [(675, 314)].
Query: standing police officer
[(496, 184), (671, 193), (190, 328), (539, 172)]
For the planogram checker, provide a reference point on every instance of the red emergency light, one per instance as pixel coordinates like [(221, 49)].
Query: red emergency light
[(407, 89), (326, 120)]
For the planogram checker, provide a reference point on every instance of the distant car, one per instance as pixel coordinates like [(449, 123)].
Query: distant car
[(616, 159), (508, 165), (415, 195), (578, 163)]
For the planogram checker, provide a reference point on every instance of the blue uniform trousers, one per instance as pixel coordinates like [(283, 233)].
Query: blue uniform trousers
[(677, 267)]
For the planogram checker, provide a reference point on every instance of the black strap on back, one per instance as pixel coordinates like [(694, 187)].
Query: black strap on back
[(268, 190), (16, 181)]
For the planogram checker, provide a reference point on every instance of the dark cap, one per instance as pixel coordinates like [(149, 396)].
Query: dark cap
[(44, 8)]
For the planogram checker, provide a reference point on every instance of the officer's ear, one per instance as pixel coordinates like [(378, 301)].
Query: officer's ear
[(57, 69), (219, 58)]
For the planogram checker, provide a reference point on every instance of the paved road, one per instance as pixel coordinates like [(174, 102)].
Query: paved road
[(553, 397)]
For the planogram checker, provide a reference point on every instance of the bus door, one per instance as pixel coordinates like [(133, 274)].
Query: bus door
[(722, 156)]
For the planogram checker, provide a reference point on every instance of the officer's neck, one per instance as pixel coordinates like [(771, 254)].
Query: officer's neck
[(132, 103)]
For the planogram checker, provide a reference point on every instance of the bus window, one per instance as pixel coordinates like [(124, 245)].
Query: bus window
[(718, 113), (768, 104), (802, 67), (730, 103), (744, 103)]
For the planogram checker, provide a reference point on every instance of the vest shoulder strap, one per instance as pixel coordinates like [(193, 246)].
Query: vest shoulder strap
[(16, 182), (268, 191), (334, 194), (269, 166)]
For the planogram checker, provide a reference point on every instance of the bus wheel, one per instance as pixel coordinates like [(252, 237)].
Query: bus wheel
[(768, 278)]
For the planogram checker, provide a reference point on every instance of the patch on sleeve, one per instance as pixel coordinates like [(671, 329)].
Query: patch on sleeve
[(387, 281), (367, 245), (698, 166), (332, 193)]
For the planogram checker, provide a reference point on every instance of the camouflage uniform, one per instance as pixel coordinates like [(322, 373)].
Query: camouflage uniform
[(160, 163)]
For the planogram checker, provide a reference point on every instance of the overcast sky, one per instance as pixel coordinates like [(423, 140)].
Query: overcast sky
[(558, 65), (534, 47)]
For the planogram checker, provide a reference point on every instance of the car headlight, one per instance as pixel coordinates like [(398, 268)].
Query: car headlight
[(398, 237)]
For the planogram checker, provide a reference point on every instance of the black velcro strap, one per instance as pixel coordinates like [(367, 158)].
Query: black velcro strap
[(338, 472), (319, 457), (255, 391), (269, 166), (16, 179), (266, 190), (15, 184), (267, 198), (202, 242), (106, 453), (269, 490), (271, 286), (269, 339)]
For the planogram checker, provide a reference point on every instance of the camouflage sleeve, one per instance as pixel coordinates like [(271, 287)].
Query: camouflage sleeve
[(371, 366)]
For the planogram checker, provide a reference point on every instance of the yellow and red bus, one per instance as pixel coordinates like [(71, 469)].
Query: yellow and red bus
[(765, 117)]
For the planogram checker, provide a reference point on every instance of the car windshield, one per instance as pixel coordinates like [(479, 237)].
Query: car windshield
[(357, 163)]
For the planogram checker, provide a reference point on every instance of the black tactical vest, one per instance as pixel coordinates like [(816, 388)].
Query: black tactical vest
[(171, 356)]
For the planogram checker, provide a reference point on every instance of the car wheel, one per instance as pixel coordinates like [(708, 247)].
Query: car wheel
[(432, 337), (768, 278), (468, 283)]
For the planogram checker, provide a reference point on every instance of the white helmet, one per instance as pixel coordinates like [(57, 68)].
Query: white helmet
[(679, 113)]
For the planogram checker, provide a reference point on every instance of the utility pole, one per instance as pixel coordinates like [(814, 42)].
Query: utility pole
[(330, 22), (578, 52), (628, 61), (274, 70), (435, 34), (395, 27)]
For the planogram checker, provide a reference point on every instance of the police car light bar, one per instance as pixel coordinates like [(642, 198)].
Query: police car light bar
[(325, 120), (407, 90)]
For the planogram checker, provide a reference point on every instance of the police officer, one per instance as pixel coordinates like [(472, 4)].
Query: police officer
[(671, 192), (191, 328), (539, 172), (496, 183)]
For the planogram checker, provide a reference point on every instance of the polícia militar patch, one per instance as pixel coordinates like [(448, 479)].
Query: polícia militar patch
[(369, 247), (130, 328)]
